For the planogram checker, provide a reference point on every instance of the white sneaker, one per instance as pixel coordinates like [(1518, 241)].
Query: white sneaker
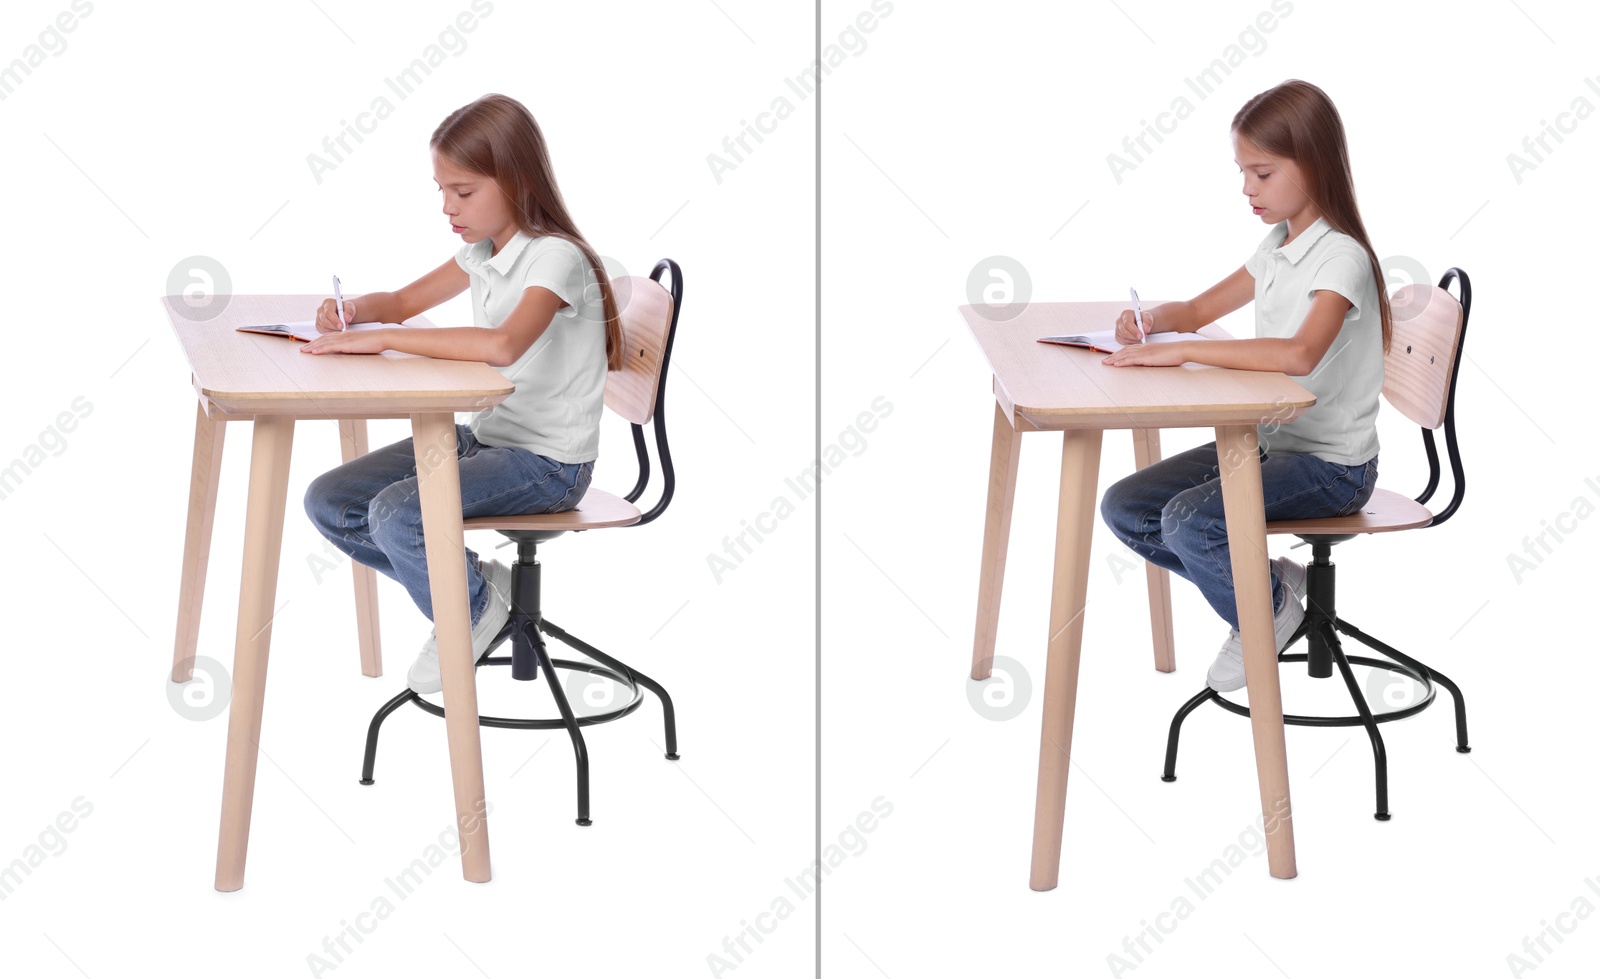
[(498, 575), (423, 677), (1291, 573), (1227, 670)]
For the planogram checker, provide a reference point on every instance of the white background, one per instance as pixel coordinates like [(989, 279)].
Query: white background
[(952, 135), (162, 134), (958, 135)]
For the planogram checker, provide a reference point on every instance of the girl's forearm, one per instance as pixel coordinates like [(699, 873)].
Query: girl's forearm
[(449, 343), (1176, 317), (1255, 354), (376, 307)]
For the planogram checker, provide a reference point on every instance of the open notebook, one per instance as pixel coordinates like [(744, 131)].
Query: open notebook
[(304, 330), (1106, 340)]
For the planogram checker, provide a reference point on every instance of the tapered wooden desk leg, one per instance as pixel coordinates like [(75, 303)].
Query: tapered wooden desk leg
[(1004, 452), (439, 483), (258, 588), (205, 471), (1147, 450), (353, 443), (1244, 511), (1080, 469)]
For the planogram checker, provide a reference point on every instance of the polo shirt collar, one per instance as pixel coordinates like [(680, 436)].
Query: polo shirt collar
[(506, 257), (1296, 249)]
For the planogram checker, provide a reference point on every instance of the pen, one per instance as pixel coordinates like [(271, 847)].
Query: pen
[(1137, 316), (338, 300)]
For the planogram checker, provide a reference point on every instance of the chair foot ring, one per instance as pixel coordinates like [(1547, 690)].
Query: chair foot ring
[(1169, 778), (584, 822), (1381, 816), (1351, 720), (1463, 749), (553, 723)]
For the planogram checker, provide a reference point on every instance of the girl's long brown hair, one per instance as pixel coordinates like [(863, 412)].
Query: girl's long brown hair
[(497, 137), (1296, 120)]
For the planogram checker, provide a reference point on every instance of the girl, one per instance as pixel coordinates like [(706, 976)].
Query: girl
[(544, 315), (1320, 317)]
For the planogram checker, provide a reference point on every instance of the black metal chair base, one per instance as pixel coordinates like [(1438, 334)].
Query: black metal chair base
[(528, 654), (1320, 629)]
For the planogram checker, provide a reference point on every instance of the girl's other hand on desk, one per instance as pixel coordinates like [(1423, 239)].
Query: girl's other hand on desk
[(1147, 355), (327, 320), (359, 342)]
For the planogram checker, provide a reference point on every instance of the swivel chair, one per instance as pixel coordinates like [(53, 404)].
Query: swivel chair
[(637, 392), (1420, 373)]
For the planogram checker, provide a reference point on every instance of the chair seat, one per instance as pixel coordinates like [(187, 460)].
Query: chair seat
[(597, 509), (1386, 511)]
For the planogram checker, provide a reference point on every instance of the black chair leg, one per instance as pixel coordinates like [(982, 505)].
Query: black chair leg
[(579, 749), (1321, 628), (1425, 670), (670, 718), (370, 759), (528, 653), (1168, 773), (1461, 708), (1379, 756)]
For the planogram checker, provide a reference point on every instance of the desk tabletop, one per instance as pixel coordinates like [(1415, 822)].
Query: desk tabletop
[(1054, 387), (253, 374)]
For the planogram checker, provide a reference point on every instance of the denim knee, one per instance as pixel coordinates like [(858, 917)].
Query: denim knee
[(395, 515), (1185, 528), (318, 502), (1114, 510)]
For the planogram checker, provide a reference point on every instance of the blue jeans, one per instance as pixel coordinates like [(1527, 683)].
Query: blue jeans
[(1170, 513), (371, 510)]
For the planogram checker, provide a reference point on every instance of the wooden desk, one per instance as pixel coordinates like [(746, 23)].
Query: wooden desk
[(267, 380), (1047, 387)]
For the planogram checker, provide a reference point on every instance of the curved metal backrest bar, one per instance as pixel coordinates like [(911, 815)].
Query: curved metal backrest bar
[(1458, 341), (658, 409)]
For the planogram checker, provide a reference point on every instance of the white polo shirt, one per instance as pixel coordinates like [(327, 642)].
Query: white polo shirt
[(561, 379), (1342, 426)]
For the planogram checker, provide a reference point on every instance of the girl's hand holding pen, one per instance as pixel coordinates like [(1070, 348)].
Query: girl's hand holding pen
[(328, 316), (1128, 327)]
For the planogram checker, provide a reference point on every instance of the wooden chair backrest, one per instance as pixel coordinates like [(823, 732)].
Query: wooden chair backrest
[(645, 307), (1418, 369)]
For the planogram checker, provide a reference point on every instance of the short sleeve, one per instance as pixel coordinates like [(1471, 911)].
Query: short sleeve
[(461, 257), (559, 267), (1344, 273)]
